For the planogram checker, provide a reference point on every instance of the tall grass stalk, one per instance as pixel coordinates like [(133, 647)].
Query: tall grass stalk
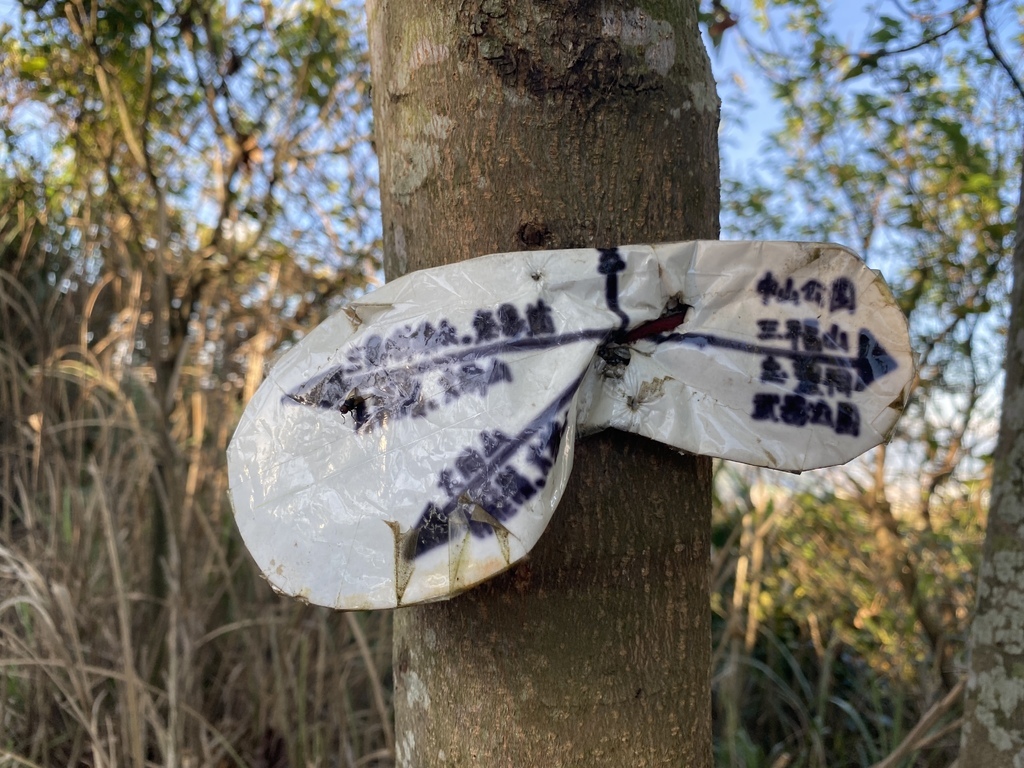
[(134, 629)]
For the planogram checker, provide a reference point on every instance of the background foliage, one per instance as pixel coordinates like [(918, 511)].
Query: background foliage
[(845, 606), (185, 188)]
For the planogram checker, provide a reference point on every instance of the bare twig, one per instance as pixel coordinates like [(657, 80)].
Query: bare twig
[(969, 14), (994, 49), (919, 734), (377, 690), (134, 724)]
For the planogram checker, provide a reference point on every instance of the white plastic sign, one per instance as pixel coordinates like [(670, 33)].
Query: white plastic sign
[(418, 442)]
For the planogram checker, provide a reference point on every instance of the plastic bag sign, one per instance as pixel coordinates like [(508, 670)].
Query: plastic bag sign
[(419, 441)]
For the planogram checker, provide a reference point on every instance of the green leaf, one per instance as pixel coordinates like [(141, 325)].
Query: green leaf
[(890, 30), (33, 65), (979, 182), (865, 63)]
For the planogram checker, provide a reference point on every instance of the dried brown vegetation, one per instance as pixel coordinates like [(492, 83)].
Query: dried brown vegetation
[(134, 629), (147, 274)]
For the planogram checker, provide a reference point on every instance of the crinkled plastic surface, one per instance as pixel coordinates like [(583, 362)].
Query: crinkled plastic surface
[(419, 441)]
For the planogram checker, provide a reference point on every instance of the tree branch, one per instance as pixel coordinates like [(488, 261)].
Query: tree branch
[(993, 48), (918, 737)]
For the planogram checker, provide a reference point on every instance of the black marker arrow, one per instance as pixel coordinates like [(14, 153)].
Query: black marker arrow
[(871, 363), (374, 391), (489, 479)]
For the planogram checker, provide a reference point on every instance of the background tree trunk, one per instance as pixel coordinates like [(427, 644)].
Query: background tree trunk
[(507, 126), (993, 733)]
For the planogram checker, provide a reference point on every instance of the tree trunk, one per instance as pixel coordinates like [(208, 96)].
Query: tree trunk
[(993, 733), (507, 126)]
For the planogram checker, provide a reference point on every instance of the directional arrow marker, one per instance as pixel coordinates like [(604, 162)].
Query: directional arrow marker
[(418, 442), (871, 363)]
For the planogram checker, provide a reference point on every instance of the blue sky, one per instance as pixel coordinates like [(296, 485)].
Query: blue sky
[(740, 139), (740, 142), (743, 135)]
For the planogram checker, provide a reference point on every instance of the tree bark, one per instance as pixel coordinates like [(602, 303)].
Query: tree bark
[(993, 733), (507, 126)]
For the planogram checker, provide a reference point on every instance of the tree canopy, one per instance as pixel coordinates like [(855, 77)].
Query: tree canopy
[(183, 189), (905, 144)]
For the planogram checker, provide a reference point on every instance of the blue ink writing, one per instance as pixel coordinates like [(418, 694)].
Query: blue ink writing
[(842, 293)]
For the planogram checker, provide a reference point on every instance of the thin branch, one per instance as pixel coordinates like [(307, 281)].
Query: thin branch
[(918, 735), (924, 41), (993, 48), (109, 90)]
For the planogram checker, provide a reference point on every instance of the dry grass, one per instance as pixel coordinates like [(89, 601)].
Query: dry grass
[(134, 629)]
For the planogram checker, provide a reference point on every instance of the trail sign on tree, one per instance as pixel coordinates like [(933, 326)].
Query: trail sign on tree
[(419, 441)]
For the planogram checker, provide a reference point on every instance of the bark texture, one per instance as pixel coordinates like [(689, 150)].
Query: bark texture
[(506, 126), (993, 733)]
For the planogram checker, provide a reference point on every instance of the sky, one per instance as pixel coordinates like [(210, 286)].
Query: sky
[(740, 140), (742, 134)]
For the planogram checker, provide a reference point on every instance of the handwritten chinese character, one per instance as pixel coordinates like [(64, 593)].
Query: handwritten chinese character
[(768, 329), (844, 295), (511, 323), (768, 287), (838, 381), (539, 318), (836, 339), (764, 407), (485, 326), (771, 371), (847, 419), (814, 292), (794, 410), (787, 294), (821, 414), (808, 373)]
